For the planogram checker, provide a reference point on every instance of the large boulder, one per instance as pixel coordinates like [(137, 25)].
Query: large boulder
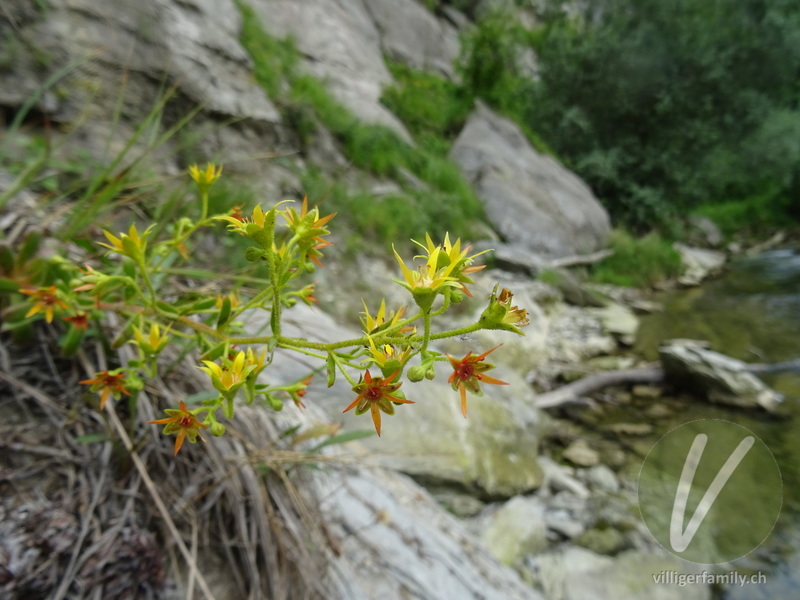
[(720, 378), (130, 50), (535, 203)]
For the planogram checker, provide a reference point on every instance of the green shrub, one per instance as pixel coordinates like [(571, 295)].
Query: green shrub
[(426, 103), (638, 262)]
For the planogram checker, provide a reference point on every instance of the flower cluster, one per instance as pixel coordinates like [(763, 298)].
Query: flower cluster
[(285, 243)]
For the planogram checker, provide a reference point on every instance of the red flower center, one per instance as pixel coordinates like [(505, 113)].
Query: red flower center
[(465, 371), (373, 393), (186, 421), (48, 299)]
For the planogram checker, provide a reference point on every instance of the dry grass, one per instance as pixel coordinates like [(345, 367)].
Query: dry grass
[(81, 519)]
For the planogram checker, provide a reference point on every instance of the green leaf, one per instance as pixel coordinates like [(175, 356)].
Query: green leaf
[(331, 365), (29, 247), (167, 309), (224, 312), (215, 352), (91, 438), (6, 285), (349, 436), (200, 397)]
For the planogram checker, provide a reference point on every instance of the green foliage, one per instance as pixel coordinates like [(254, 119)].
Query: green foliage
[(663, 106), (751, 216), (491, 69), (426, 103), (638, 262)]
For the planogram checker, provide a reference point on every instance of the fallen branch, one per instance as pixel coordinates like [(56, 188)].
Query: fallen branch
[(762, 368), (573, 391), (580, 259)]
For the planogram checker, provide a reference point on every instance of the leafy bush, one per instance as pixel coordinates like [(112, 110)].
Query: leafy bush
[(663, 106), (638, 262), (426, 103)]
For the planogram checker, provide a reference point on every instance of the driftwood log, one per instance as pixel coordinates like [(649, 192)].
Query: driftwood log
[(572, 392), (575, 390)]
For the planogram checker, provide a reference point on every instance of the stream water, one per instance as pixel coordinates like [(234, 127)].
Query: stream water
[(751, 312)]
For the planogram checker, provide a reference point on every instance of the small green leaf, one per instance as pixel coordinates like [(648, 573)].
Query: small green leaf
[(91, 438), (331, 365), (200, 397), (29, 247), (224, 312), (215, 352), (342, 438)]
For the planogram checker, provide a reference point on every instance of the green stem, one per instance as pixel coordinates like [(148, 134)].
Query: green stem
[(426, 319), (204, 200)]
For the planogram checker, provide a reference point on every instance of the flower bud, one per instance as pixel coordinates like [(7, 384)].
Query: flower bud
[(217, 429), (416, 374)]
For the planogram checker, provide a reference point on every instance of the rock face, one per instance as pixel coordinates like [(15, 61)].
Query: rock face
[(193, 43), (533, 202), (398, 543), (342, 46), (721, 378), (412, 35)]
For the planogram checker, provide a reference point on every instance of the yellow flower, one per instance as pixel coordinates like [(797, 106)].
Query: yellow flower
[(257, 361), (377, 394), (239, 224), (387, 357), (381, 322), (428, 276), (131, 244), (309, 228), (229, 377), (452, 255), (44, 300), (232, 296), (182, 421), (107, 383), (154, 342), (205, 179)]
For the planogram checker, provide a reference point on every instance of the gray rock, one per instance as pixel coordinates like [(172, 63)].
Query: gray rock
[(193, 43), (411, 34), (396, 542), (719, 378), (579, 574), (602, 541), (618, 320), (602, 478), (534, 202), (579, 453), (517, 528), (698, 263)]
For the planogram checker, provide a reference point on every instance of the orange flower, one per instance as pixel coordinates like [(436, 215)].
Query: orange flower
[(300, 391), (182, 421), (377, 394), (469, 373), (44, 300), (107, 383), (78, 320)]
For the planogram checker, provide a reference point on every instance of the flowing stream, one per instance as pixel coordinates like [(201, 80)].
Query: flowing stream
[(751, 312)]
